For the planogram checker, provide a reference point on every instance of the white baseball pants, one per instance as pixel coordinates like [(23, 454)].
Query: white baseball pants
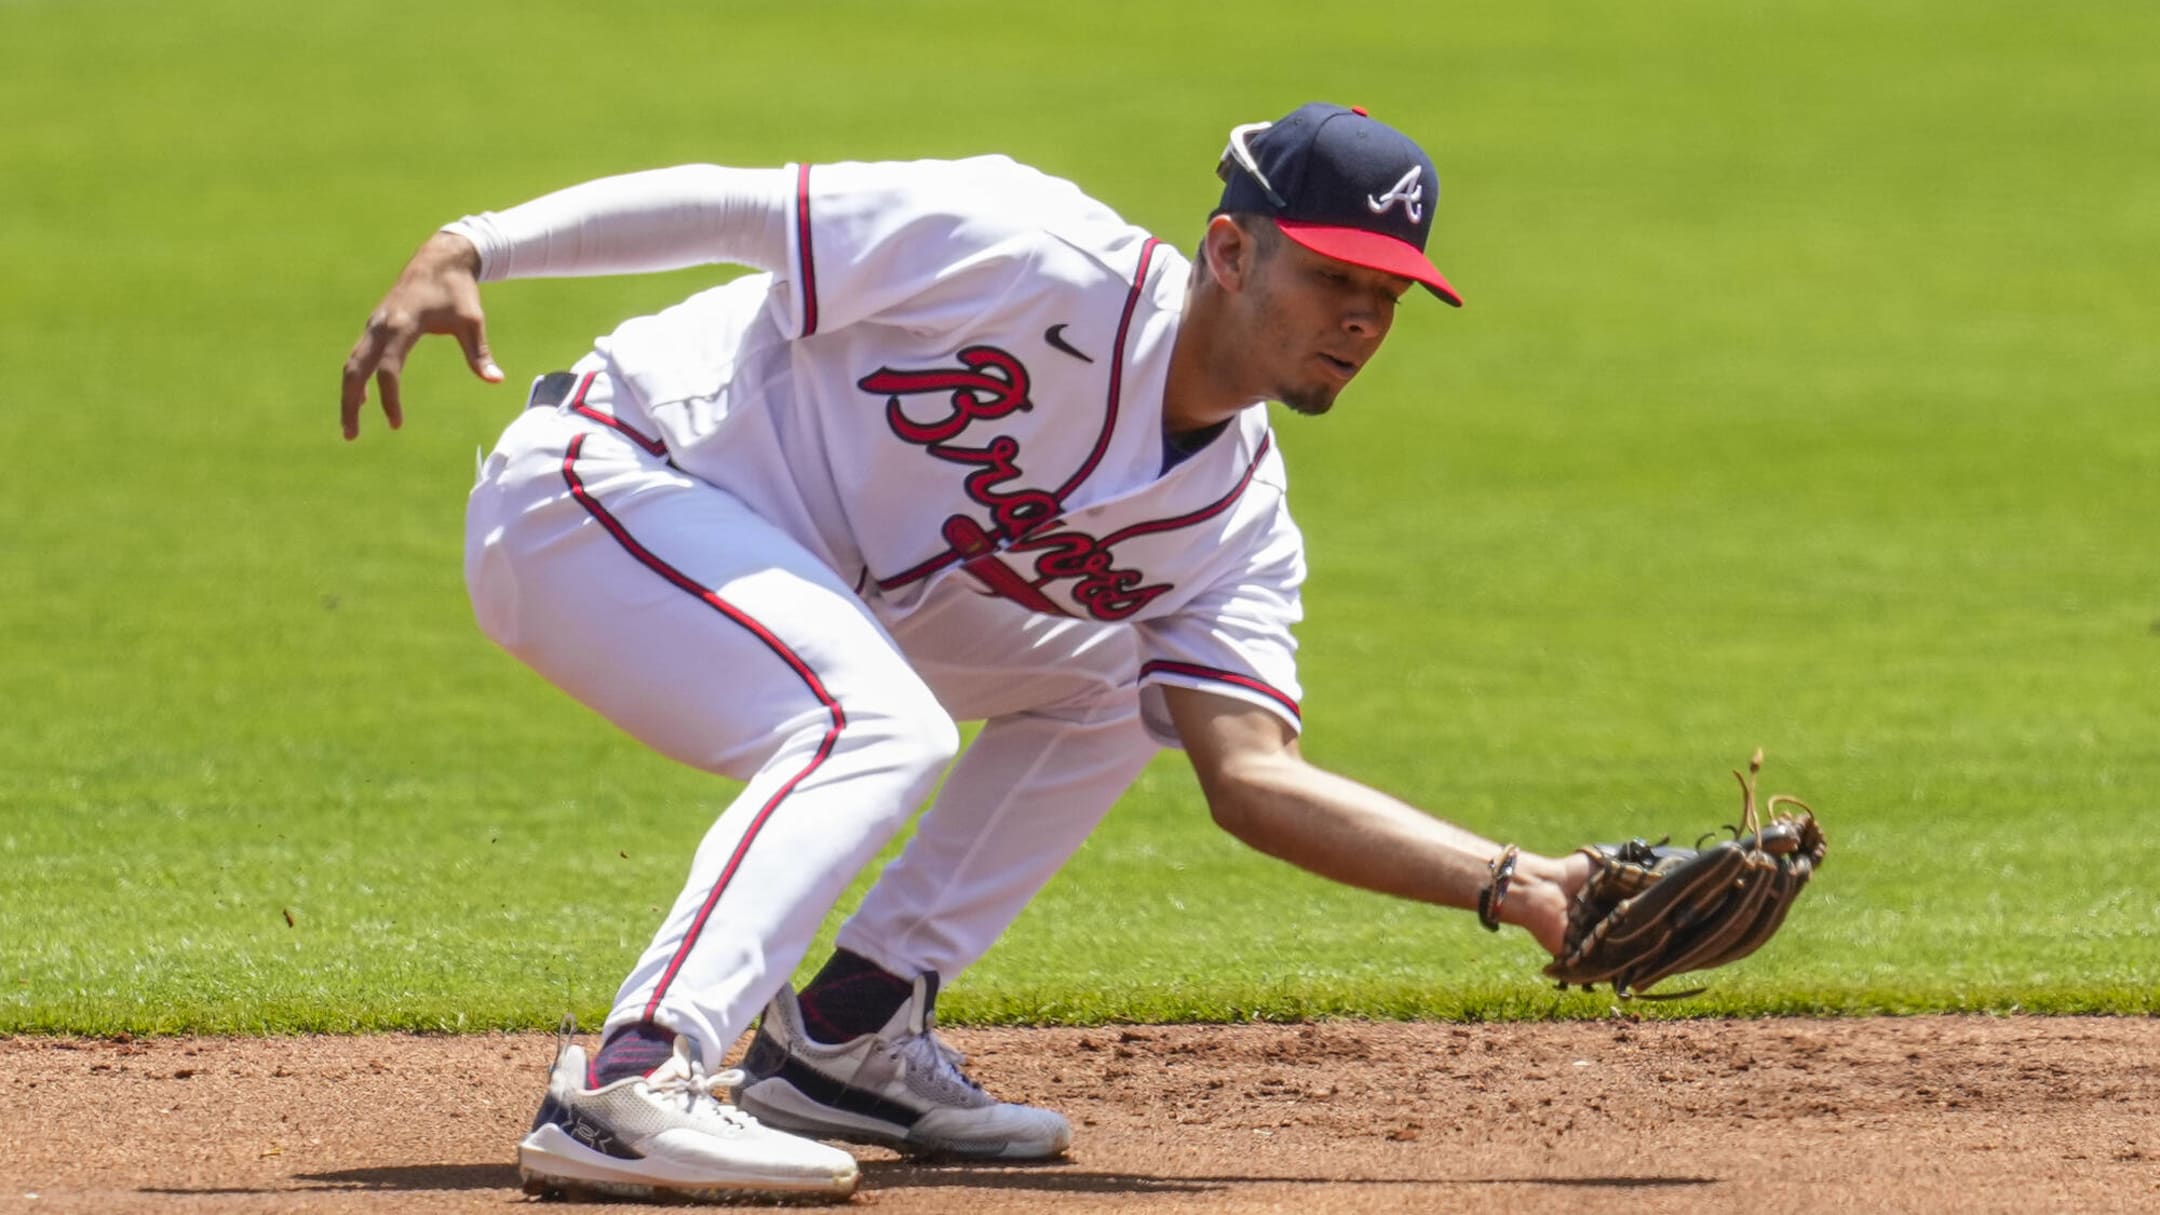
[(707, 633)]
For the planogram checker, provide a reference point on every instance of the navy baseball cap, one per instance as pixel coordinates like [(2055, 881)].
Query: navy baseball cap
[(1341, 183)]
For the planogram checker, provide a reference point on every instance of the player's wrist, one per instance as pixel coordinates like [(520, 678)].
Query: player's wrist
[(453, 249), (1492, 900), (1537, 895)]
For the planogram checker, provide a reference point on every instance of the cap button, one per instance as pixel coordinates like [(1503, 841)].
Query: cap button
[(1360, 111)]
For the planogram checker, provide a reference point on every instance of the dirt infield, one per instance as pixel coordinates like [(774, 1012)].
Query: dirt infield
[(1920, 1114)]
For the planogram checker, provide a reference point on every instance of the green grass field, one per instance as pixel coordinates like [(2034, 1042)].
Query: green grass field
[(1804, 399)]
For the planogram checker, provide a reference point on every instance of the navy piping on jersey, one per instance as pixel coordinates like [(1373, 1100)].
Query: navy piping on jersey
[(1117, 372), (653, 447), (1201, 515), (712, 599), (1194, 670), (806, 267)]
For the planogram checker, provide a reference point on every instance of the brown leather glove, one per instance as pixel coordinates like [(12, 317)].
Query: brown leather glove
[(1650, 911)]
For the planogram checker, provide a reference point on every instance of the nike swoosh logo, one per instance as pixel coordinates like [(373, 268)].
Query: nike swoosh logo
[(1055, 335)]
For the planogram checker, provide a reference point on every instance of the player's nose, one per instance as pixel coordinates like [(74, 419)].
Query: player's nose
[(1367, 321)]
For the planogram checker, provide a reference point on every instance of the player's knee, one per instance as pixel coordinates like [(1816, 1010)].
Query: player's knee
[(912, 740), (929, 738)]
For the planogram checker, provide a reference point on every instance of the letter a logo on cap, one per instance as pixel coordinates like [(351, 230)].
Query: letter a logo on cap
[(1409, 192)]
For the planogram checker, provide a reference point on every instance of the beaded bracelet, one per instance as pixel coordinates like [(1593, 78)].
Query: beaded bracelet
[(1495, 892)]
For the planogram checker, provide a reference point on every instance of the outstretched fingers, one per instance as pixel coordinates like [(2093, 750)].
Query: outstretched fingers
[(470, 327), (359, 366), (439, 292), (380, 356)]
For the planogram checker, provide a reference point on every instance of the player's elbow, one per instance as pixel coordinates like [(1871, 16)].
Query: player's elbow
[(1245, 756), (1231, 812), (1244, 796)]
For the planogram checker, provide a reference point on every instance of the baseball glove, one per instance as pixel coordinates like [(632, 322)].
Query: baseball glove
[(1650, 911)]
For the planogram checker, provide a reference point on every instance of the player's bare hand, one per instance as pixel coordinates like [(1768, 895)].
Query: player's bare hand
[(439, 292), (1538, 901)]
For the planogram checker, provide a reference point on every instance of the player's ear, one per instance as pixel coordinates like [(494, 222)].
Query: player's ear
[(1229, 251)]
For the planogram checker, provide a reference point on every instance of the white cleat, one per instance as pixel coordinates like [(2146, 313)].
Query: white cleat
[(668, 1136), (900, 1088)]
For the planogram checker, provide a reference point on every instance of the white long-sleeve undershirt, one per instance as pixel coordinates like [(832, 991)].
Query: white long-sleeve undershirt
[(660, 219)]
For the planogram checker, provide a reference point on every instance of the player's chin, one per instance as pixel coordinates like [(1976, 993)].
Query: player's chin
[(1312, 400)]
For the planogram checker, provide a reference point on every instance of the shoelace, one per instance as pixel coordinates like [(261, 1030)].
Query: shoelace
[(927, 1052), (695, 1087), (722, 1086)]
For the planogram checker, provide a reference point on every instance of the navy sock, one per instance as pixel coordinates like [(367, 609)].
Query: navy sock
[(850, 997), (633, 1050)]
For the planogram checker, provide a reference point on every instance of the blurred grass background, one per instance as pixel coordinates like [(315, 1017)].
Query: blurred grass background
[(1804, 399)]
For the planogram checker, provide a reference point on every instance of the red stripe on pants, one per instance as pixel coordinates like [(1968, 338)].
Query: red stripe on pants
[(711, 598)]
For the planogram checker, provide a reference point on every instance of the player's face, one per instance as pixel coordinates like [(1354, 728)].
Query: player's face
[(1318, 322)]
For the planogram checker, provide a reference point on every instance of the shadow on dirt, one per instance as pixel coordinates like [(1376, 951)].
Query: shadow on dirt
[(904, 1175), (408, 1178), (417, 1177)]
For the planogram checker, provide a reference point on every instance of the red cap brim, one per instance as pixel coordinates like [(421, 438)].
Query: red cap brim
[(1373, 250)]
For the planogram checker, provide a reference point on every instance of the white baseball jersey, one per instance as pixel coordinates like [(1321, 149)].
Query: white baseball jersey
[(954, 385), (788, 530)]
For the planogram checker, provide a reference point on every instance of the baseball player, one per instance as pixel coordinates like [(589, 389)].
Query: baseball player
[(967, 447)]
